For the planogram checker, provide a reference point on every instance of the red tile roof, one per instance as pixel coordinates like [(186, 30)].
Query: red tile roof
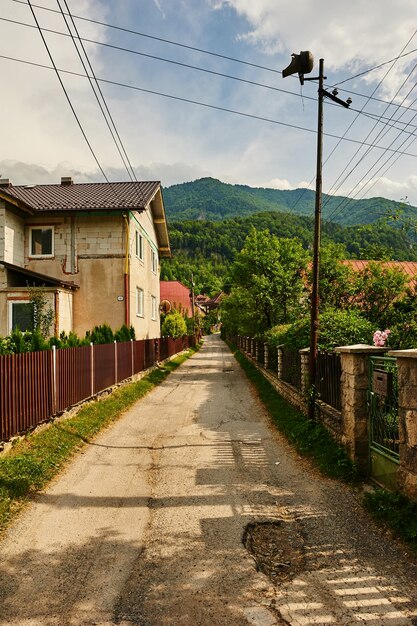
[(84, 196), (408, 267)]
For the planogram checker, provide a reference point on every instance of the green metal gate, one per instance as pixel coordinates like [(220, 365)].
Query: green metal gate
[(383, 421)]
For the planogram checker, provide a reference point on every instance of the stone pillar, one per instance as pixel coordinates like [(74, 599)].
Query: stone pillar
[(407, 420), (257, 351), (266, 355), (355, 384), (304, 358), (280, 367)]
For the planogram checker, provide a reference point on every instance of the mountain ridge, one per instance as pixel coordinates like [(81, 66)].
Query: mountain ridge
[(211, 199)]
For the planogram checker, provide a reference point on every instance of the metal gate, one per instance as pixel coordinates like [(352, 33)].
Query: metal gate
[(383, 421)]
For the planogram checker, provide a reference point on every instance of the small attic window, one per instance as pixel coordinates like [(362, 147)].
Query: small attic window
[(41, 242)]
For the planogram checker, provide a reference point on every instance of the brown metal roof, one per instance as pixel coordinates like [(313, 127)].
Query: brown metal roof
[(85, 196), (408, 267)]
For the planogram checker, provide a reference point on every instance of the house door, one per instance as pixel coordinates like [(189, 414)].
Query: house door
[(384, 449)]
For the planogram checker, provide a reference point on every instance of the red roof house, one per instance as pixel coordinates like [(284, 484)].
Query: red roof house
[(175, 295)]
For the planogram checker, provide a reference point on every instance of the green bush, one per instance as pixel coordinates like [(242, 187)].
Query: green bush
[(174, 325), (336, 328)]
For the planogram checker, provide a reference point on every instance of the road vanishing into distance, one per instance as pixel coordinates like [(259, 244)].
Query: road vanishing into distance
[(192, 510)]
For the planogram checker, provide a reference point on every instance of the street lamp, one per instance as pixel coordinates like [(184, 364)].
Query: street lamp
[(302, 64)]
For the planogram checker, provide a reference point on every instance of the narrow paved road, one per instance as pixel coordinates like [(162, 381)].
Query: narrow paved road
[(146, 526)]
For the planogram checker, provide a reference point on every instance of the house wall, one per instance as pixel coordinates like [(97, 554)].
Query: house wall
[(90, 251), (65, 311), (142, 276), (12, 236)]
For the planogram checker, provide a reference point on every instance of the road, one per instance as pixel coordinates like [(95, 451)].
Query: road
[(192, 510)]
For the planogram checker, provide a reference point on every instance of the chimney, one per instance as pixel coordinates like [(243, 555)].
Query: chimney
[(5, 182), (66, 181)]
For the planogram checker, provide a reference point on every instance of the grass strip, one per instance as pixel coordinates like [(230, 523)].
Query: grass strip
[(309, 438), (395, 511), (37, 458)]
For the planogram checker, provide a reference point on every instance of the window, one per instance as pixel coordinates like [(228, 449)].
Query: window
[(153, 302), (41, 241), (139, 302), (154, 261), (20, 316), (139, 245)]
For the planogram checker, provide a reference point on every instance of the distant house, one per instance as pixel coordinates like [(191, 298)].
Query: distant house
[(207, 304), (93, 247), (175, 295)]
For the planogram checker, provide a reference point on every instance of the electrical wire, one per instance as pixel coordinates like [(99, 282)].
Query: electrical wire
[(100, 100), (66, 93), (375, 67), (203, 104)]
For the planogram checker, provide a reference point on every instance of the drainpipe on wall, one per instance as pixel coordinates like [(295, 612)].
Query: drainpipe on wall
[(56, 306), (126, 272)]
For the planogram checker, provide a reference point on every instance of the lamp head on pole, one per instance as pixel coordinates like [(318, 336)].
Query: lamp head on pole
[(301, 64)]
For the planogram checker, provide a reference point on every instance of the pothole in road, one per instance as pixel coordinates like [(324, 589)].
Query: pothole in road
[(277, 547)]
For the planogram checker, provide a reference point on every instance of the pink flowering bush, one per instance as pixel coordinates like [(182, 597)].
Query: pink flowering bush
[(380, 337)]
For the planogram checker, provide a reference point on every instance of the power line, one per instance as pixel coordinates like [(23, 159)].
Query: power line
[(336, 187), (181, 45), (161, 39), (376, 67), (95, 85), (66, 93), (203, 104), (165, 60)]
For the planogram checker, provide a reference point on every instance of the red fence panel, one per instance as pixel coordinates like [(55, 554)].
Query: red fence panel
[(124, 360), (73, 376), (150, 353), (25, 392), (104, 366), (28, 396), (138, 356)]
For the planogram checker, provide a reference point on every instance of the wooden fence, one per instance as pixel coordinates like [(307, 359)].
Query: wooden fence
[(35, 386)]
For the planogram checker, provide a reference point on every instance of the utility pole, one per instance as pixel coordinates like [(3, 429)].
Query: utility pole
[(303, 64), (314, 313)]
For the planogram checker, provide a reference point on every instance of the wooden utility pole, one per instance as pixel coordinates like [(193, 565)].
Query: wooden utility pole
[(314, 321)]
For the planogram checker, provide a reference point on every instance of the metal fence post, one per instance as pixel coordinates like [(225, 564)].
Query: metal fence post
[(131, 351), (92, 368), (115, 362), (53, 380)]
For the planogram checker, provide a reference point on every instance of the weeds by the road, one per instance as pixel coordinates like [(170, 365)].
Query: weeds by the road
[(309, 438), (395, 511), (34, 460)]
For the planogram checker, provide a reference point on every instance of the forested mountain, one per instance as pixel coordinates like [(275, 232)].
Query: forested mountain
[(210, 199), (207, 248)]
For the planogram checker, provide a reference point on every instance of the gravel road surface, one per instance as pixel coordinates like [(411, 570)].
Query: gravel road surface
[(192, 511)]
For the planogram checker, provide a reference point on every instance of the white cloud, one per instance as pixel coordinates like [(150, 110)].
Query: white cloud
[(279, 183)]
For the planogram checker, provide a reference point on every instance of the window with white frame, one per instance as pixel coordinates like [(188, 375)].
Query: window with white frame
[(41, 241), (139, 302), (139, 245), (154, 261), (153, 307)]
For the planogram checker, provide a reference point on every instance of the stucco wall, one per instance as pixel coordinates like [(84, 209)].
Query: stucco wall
[(12, 236), (141, 275), (65, 311)]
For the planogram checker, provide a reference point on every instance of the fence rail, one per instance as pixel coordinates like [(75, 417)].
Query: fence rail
[(36, 386)]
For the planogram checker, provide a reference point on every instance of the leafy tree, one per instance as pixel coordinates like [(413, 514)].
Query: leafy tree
[(174, 325), (335, 279), (376, 289), (268, 284), (42, 314)]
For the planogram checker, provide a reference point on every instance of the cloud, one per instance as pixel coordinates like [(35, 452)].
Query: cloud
[(348, 35), (279, 183)]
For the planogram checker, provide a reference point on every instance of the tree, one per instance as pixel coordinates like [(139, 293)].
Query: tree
[(376, 289), (267, 279), (42, 314)]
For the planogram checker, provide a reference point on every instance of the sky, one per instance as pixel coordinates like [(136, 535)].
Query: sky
[(369, 149)]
